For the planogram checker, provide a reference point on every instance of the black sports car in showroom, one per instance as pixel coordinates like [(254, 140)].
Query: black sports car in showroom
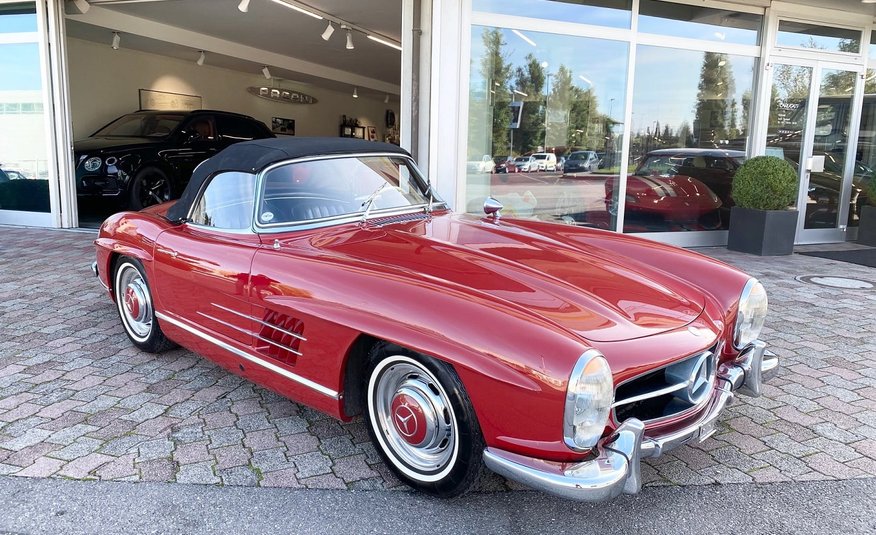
[(147, 157)]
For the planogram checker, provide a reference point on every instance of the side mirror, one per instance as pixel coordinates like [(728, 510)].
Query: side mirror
[(492, 207)]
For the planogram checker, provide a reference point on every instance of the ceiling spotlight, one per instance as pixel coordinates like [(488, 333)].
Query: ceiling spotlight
[(355, 92), (243, 6), (349, 38), (329, 30), (266, 72), (82, 5), (201, 58), (116, 40)]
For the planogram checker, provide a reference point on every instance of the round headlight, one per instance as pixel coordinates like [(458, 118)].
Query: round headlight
[(751, 315), (588, 401), (92, 164)]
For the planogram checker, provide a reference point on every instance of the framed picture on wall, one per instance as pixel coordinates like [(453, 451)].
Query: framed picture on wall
[(281, 126), (372, 133), (162, 100)]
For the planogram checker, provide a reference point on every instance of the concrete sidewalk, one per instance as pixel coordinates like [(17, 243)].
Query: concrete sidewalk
[(78, 401)]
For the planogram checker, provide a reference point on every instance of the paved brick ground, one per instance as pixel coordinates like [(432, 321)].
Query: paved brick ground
[(78, 401)]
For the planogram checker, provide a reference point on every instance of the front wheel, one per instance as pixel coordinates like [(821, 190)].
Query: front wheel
[(422, 421), (150, 186)]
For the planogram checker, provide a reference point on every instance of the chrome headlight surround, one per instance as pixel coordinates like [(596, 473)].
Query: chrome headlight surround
[(92, 164), (752, 312), (589, 396)]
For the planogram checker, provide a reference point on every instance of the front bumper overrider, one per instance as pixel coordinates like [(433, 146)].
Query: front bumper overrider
[(616, 469)]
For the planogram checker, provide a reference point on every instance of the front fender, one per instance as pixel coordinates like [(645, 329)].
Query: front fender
[(514, 365)]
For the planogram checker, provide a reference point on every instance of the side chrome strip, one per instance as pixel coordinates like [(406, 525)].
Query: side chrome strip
[(252, 358), (266, 324), (250, 333)]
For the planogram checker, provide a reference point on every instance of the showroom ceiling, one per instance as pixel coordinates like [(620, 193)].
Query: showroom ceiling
[(288, 41)]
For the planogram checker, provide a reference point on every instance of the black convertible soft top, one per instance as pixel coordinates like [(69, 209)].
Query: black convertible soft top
[(253, 156)]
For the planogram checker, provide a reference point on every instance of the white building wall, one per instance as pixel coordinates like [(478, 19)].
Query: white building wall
[(104, 84)]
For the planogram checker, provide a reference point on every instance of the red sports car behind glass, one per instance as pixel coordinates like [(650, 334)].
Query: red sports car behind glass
[(329, 271)]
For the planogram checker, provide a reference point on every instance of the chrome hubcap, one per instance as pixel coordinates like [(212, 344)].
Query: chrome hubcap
[(415, 417), (136, 305)]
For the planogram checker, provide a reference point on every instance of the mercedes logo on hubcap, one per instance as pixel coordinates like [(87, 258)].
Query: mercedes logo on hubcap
[(406, 421)]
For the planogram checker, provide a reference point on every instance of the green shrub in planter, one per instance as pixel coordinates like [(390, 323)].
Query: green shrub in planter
[(760, 223), (765, 183)]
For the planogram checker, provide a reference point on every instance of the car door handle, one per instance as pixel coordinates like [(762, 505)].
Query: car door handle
[(174, 254)]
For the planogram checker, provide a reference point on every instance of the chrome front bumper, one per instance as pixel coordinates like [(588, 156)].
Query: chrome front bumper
[(617, 469)]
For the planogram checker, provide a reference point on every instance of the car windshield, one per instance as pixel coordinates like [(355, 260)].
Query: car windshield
[(579, 156), (141, 125), (660, 165), (522, 159), (540, 156), (340, 187)]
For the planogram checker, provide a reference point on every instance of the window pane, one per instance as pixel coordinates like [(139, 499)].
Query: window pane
[(832, 119), (805, 35), (338, 187), (17, 18), (227, 202), (24, 183), (689, 134), (613, 13), (788, 112), (539, 105), (694, 22), (864, 188)]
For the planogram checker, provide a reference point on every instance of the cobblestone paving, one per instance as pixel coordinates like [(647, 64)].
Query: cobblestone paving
[(77, 400)]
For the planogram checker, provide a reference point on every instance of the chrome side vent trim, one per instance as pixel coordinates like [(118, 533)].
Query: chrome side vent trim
[(283, 335), (280, 335), (250, 357)]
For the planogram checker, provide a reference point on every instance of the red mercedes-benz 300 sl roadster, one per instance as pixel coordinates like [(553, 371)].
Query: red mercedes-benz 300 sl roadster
[(328, 271)]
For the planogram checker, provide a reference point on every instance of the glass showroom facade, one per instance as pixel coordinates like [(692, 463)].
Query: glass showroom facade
[(30, 192), (649, 107), (626, 115)]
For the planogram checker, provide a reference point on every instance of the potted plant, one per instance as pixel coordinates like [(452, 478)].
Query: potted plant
[(762, 223), (867, 217)]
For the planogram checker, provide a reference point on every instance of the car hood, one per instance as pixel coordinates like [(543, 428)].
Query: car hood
[(94, 144), (588, 291)]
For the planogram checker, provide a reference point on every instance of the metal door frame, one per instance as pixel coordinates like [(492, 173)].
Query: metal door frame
[(818, 66)]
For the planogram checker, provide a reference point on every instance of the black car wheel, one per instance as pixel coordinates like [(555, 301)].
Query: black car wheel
[(150, 186), (421, 421)]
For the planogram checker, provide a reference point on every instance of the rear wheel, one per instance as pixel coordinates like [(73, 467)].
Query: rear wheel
[(136, 309), (422, 422)]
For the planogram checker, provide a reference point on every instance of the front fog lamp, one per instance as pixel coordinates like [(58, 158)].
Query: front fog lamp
[(751, 315), (588, 401), (92, 164)]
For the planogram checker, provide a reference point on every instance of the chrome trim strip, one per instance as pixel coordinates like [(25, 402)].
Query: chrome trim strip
[(648, 395), (245, 331), (569, 407), (252, 358), (266, 324)]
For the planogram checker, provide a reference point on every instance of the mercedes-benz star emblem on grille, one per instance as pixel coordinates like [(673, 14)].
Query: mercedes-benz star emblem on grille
[(699, 381)]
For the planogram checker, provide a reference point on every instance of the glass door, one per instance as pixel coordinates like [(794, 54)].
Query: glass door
[(810, 126), (24, 162)]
